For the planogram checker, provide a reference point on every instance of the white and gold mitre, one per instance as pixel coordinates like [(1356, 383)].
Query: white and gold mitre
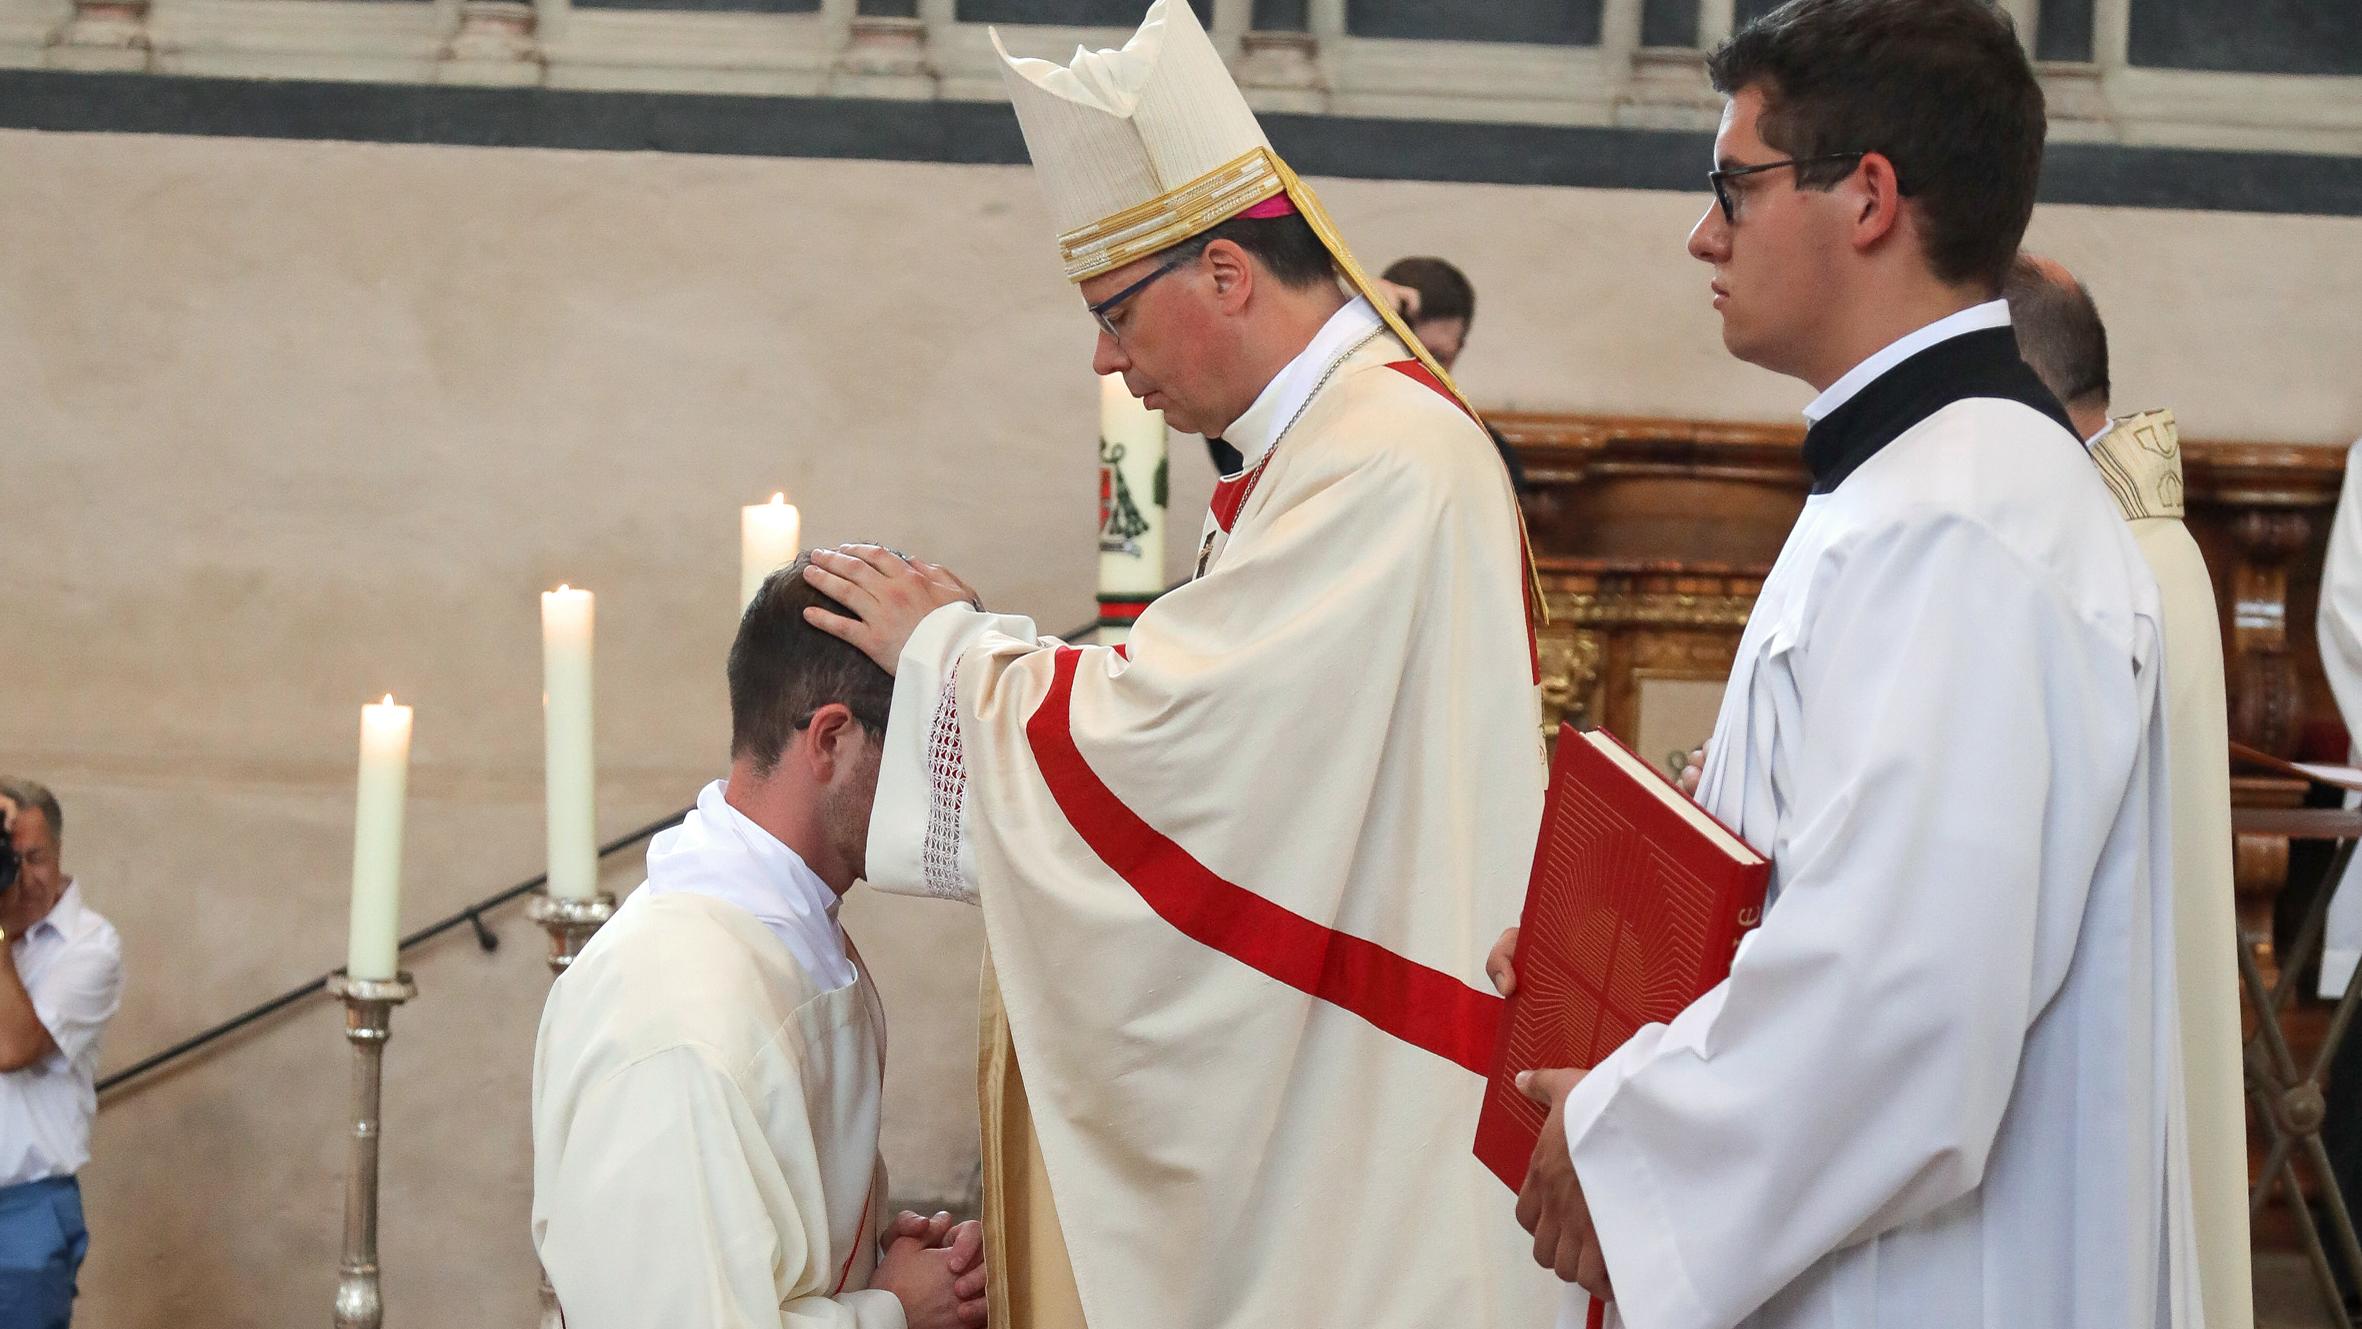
[(1142, 148), (1139, 149)]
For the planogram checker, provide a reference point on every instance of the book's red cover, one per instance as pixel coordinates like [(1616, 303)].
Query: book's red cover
[(1631, 914)]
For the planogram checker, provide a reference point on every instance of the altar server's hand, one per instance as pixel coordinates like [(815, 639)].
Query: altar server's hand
[(921, 1278), (1501, 965), (888, 592), (1551, 1204), (1693, 770), (1405, 299)]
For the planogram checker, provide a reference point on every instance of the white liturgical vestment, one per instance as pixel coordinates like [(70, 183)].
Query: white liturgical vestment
[(1940, 1088), (1239, 877), (705, 1100), (2140, 458), (2339, 629)]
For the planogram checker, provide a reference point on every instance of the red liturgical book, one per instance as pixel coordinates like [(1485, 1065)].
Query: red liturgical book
[(1637, 902)]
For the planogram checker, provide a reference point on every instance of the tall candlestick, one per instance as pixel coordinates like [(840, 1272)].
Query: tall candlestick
[(368, 1022), (767, 541), (567, 618), (377, 839), (1131, 507)]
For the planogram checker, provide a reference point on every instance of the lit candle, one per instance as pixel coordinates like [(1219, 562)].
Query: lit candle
[(377, 839), (1131, 507), (767, 541), (567, 616)]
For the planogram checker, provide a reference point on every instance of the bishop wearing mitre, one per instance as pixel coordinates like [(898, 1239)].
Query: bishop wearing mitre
[(1239, 875)]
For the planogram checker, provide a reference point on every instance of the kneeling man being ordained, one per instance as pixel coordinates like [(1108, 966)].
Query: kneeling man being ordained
[(1940, 1088), (707, 1078)]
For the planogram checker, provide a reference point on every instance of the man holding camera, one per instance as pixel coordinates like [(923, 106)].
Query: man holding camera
[(61, 978)]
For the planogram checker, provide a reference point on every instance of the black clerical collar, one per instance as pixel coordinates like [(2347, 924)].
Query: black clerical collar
[(1228, 460), (1983, 363)]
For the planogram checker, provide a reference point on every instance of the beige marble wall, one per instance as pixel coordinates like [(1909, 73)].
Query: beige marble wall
[(288, 425)]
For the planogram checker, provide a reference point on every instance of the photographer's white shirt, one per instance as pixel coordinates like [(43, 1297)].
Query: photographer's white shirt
[(72, 965)]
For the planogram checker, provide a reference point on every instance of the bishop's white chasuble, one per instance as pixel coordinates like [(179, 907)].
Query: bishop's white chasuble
[(705, 1101), (1940, 1087), (1239, 878)]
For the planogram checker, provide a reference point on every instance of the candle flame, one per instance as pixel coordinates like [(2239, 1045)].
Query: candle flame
[(389, 700), (563, 588), (779, 499)]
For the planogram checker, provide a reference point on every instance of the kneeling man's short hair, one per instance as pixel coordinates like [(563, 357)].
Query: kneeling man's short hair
[(782, 669)]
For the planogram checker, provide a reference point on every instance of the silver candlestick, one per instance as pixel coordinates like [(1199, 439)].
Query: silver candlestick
[(368, 1022), (570, 923)]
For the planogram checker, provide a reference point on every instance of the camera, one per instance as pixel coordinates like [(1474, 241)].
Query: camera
[(9, 862)]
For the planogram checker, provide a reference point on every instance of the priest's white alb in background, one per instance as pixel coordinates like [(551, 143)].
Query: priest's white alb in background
[(2339, 629)]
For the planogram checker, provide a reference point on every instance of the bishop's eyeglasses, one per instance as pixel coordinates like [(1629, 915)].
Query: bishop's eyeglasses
[(1721, 177), (1104, 311)]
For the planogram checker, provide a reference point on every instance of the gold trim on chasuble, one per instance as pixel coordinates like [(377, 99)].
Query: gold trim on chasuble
[(1216, 197), (2141, 459)]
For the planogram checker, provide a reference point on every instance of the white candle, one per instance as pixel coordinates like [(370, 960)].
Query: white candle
[(1131, 507), (377, 839), (567, 617), (767, 541)]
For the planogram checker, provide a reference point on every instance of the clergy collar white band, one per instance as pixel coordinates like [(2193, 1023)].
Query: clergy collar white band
[(1260, 425)]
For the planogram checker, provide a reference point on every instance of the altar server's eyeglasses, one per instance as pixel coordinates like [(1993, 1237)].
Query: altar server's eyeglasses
[(1729, 202), (1105, 309)]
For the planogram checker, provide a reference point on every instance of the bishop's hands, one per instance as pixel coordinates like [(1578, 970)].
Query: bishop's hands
[(1550, 1204), (935, 1268), (888, 594)]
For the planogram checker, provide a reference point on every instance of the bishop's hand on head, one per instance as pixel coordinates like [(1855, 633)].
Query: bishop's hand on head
[(888, 593)]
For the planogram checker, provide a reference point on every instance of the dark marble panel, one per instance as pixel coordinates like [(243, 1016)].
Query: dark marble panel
[(1283, 15), (985, 133), (1669, 22), (2063, 30), (887, 8), (1074, 13), (1550, 22), (709, 6), (2250, 36)]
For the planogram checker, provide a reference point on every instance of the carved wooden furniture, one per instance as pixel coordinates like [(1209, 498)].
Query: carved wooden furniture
[(1633, 519)]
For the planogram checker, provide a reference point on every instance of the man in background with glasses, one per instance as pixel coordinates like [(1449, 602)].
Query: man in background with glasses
[(1237, 876), (1940, 1086)]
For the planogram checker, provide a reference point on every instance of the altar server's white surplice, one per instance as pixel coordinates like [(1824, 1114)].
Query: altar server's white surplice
[(2339, 628), (705, 1100), (1939, 1089)]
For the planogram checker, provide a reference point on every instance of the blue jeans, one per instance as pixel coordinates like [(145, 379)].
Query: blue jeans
[(42, 1242)]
